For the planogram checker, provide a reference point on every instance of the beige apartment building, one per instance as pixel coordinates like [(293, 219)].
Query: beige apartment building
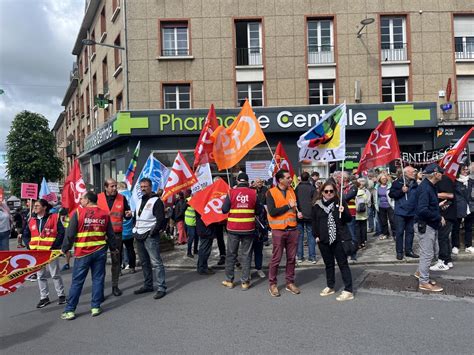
[(293, 59)]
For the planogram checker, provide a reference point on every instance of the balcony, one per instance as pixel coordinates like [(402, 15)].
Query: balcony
[(249, 56), (464, 50), (320, 54), (394, 52), (465, 109)]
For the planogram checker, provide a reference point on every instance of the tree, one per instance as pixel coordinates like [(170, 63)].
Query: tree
[(31, 151)]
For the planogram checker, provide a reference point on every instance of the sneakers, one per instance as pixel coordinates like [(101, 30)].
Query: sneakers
[(207, 272), (127, 267), (190, 256), (159, 294), (300, 261), (131, 270), (470, 250), (228, 284), (274, 290), (429, 287), (65, 267), (450, 264), (455, 250), (293, 289), (312, 261), (439, 266), (96, 311), (417, 275), (142, 290), (32, 278), (62, 300), (43, 302), (345, 296), (221, 261), (327, 292), (261, 274), (68, 315), (245, 286)]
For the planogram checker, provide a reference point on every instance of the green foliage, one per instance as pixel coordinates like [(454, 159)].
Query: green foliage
[(31, 151)]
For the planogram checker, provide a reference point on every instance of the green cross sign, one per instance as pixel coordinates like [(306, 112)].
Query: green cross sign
[(124, 123), (349, 165), (405, 115)]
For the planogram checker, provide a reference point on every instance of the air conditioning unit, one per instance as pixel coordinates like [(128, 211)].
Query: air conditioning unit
[(357, 93)]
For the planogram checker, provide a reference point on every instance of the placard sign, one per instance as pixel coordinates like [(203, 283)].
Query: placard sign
[(29, 190)]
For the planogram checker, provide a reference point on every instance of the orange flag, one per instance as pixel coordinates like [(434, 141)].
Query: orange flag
[(181, 177), (233, 143)]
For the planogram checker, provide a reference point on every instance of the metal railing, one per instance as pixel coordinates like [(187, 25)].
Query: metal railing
[(464, 51), (249, 56), (174, 52), (320, 54), (394, 52), (465, 109)]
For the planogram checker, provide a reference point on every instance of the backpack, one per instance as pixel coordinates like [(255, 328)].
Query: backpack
[(361, 205)]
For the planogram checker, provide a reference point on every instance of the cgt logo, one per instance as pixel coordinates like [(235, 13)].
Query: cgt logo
[(242, 198)]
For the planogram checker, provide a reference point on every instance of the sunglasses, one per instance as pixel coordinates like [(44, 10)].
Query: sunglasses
[(328, 191)]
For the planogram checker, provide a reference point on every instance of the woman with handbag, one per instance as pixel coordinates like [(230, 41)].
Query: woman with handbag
[(332, 235)]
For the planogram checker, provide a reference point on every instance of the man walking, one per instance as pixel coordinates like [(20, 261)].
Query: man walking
[(149, 223), (242, 205), (281, 206), (116, 206), (304, 196), (90, 231), (428, 222)]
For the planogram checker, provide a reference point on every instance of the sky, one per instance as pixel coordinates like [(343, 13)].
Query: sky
[(36, 41)]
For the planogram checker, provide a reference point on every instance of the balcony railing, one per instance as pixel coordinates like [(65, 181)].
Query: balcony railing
[(465, 51), (178, 52), (394, 52), (465, 109), (249, 56), (320, 54)]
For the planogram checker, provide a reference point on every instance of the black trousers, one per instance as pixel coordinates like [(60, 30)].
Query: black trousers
[(219, 231), (386, 216), (132, 257), (444, 243), (205, 248), (361, 231), (335, 252)]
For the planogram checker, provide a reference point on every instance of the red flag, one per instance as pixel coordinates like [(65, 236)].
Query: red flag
[(181, 177), (381, 148), (208, 202), (73, 188), (15, 266), (203, 150), (281, 161), (454, 158)]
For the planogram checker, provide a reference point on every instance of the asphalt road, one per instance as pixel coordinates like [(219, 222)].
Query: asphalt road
[(200, 316)]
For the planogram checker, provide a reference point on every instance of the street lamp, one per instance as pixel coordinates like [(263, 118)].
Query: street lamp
[(365, 22), (91, 42)]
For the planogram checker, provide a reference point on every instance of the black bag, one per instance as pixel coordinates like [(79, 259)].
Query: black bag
[(349, 247), (141, 237)]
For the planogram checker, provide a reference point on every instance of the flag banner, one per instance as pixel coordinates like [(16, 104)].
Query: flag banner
[(74, 187), (208, 202), (233, 143), (454, 157), (132, 167), (203, 151), (204, 177), (45, 193), (180, 178), (15, 266), (425, 157), (326, 141), (156, 172), (281, 161), (381, 148)]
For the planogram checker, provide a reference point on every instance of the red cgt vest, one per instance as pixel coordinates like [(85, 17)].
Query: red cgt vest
[(116, 214), (91, 230), (242, 210), (45, 239)]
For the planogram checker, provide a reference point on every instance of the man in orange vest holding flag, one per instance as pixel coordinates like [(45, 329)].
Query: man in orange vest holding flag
[(117, 207), (90, 231), (282, 212)]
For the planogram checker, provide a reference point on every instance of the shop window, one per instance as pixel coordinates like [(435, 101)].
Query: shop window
[(176, 96), (251, 91), (174, 39), (394, 90), (321, 92)]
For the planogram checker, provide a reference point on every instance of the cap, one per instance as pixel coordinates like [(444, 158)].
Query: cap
[(243, 177), (433, 168)]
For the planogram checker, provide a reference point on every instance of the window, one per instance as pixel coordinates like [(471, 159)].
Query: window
[(249, 43), (117, 53), (393, 38), (115, 4), (93, 38), (176, 96), (118, 102), (465, 96), (394, 90), (464, 37), (94, 86), (80, 68), (321, 92), (88, 101), (174, 39), (251, 91), (320, 42), (103, 22), (81, 105), (105, 76)]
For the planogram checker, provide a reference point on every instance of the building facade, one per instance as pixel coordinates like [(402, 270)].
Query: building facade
[(293, 59)]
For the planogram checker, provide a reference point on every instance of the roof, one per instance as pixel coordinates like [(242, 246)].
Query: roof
[(86, 24)]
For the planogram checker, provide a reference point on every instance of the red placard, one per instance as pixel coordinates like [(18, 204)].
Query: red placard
[(29, 190)]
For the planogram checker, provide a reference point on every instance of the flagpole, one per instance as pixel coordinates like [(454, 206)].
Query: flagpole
[(342, 186), (273, 155), (403, 174), (228, 177)]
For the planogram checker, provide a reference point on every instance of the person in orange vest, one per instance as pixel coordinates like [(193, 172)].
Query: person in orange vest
[(46, 232), (242, 205), (90, 231), (282, 213), (117, 207)]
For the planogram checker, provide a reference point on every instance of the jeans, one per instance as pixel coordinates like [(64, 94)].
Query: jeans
[(192, 238), (96, 262), (302, 227), (427, 242), (444, 243), (468, 221), (283, 239), (116, 260), (5, 240), (258, 253), (205, 247), (386, 216), (54, 268), (132, 257), (152, 265), (329, 253), (378, 224), (404, 228), (233, 242)]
